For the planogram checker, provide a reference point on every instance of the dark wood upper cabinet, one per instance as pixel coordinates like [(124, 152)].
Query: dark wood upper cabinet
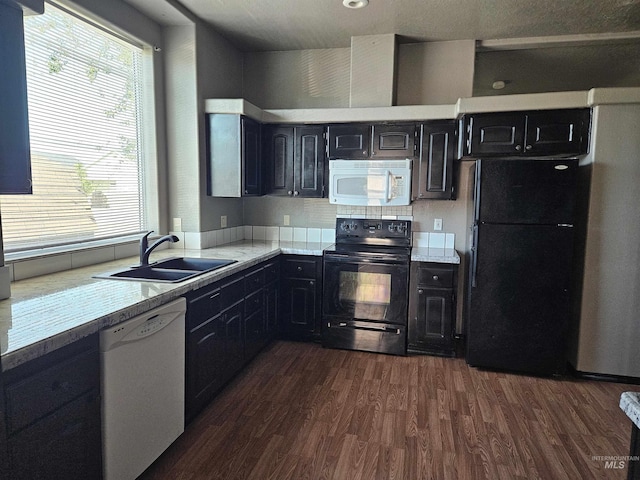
[(394, 141), (309, 161), (550, 132), (278, 151), (251, 158), (296, 160), (372, 141), (433, 172), (351, 141), (234, 156), (558, 132), (15, 156)]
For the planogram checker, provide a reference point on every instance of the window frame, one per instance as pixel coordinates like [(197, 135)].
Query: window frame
[(149, 145)]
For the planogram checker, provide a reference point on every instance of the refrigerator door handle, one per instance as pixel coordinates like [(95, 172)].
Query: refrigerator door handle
[(474, 256)]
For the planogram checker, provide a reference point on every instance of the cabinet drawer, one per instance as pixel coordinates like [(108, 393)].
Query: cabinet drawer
[(63, 445), (299, 268), (42, 393), (253, 303), (203, 307), (435, 277), (254, 280), (231, 292), (271, 272)]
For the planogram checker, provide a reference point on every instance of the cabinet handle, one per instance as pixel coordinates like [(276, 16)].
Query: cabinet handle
[(296, 193), (299, 269), (311, 282), (436, 278), (528, 147), (246, 191), (420, 291), (290, 192), (518, 147)]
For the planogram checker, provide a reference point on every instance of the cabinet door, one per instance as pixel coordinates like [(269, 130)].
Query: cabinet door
[(349, 141), (63, 445), (431, 326), (15, 157), (251, 158), (278, 153), (495, 134), (300, 308), (394, 141), (271, 308), (309, 162), (231, 324), (434, 173), (254, 335), (557, 132), (3, 431), (205, 373)]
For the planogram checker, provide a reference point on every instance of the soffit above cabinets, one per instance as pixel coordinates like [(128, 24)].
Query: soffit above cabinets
[(500, 103)]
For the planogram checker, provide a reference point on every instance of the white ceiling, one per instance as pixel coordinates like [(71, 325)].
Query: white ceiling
[(266, 25)]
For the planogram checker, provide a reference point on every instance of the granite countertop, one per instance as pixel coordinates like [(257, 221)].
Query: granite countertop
[(48, 312), (630, 404), (45, 313), (438, 255)]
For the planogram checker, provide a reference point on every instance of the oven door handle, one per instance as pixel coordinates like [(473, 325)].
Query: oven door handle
[(358, 326), (346, 258)]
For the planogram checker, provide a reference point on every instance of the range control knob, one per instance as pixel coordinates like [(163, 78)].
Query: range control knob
[(347, 227)]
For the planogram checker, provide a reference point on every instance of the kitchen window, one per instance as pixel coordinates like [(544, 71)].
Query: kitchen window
[(85, 93)]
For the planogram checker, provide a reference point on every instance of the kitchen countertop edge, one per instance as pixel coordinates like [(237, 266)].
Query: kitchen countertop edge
[(43, 343), (630, 404), (35, 330)]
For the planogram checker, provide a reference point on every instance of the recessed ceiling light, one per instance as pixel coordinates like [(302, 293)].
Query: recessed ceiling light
[(355, 3)]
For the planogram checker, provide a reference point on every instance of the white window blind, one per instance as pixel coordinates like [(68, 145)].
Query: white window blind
[(84, 121)]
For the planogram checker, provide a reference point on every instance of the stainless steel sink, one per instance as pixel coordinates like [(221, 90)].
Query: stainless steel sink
[(171, 270)]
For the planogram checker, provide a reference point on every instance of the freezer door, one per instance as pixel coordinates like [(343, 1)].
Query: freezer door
[(540, 191), (519, 304)]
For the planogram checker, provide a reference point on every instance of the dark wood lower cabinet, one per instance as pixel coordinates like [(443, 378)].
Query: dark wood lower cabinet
[(634, 452), (301, 297), (432, 308), (64, 445), (228, 323), (53, 415)]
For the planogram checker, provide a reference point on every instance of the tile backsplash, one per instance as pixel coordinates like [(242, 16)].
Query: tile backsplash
[(390, 213), (433, 240)]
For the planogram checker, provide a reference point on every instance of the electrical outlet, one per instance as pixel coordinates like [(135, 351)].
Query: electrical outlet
[(287, 220), (223, 221), (437, 224), (177, 225)]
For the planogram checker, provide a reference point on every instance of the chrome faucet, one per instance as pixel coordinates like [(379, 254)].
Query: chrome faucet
[(145, 250)]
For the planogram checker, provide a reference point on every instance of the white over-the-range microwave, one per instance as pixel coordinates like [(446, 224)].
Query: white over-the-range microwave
[(370, 182)]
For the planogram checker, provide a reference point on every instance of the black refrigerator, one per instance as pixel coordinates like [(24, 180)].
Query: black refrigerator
[(521, 263)]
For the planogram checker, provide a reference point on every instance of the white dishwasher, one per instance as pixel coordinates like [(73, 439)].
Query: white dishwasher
[(142, 386)]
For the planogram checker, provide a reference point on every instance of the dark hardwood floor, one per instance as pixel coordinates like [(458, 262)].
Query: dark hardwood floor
[(299, 411)]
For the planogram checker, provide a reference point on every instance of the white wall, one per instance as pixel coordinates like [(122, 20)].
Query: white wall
[(297, 79), (435, 73)]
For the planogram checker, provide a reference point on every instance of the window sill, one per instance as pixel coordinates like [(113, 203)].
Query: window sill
[(33, 263)]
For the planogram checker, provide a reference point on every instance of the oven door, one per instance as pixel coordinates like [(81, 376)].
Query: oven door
[(372, 289)]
